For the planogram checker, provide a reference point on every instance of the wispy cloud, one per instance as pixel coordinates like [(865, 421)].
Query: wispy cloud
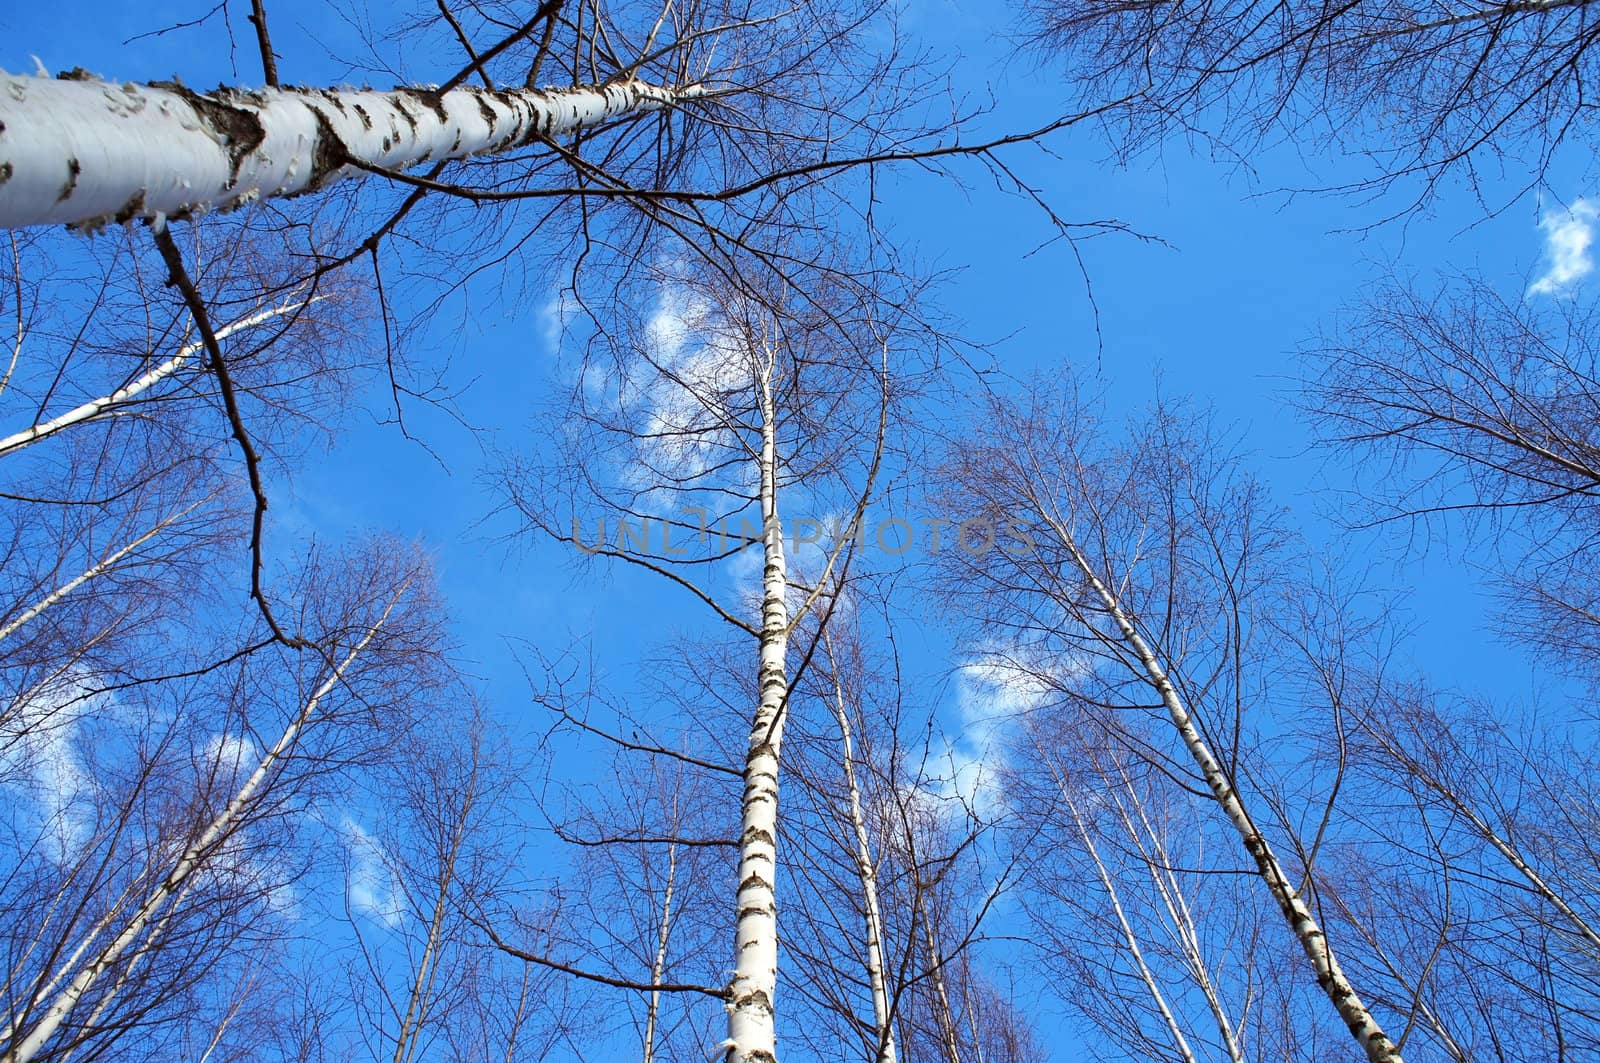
[(994, 688), (370, 885), (1569, 237), (551, 320), (41, 764)]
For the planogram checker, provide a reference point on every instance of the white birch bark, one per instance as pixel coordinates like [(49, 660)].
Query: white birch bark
[(1129, 937), (97, 569), (89, 152), (751, 1034), (1160, 866), (96, 408), (1363, 1025), (866, 871), (420, 999), (126, 974), (951, 1040), (177, 880), (1488, 833), (659, 966)]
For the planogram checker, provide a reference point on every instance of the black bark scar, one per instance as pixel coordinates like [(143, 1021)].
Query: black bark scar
[(241, 128), (74, 168), (430, 98), (328, 155)]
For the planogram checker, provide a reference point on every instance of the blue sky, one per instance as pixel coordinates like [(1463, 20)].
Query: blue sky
[(1239, 276), (1242, 276)]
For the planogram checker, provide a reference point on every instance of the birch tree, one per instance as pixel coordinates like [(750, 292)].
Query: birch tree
[(1475, 413), (1132, 900), (730, 402), (1135, 573), (1422, 89), (438, 841), (168, 881), (1481, 908)]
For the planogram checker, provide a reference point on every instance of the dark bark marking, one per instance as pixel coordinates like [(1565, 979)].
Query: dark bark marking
[(432, 99), (485, 110), (133, 208), (329, 154), (240, 127), (74, 168)]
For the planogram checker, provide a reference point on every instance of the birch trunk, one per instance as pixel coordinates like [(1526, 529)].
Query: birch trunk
[(751, 1034), (659, 967), (177, 880), (1363, 1025), (1162, 874), (950, 1040), (96, 408), (87, 152), (420, 999), (866, 871), (100, 568), (1488, 833), (1129, 937)]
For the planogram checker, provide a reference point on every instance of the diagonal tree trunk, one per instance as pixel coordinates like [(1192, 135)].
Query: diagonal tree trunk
[(26, 1046), (99, 568), (1331, 978), (1163, 875), (82, 151), (107, 404), (1130, 938)]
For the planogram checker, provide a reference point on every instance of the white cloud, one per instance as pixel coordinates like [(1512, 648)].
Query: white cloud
[(42, 767), (993, 689), (233, 757), (552, 318), (1568, 239), (370, 884)]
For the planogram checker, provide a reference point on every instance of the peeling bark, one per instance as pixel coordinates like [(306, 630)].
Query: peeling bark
[(81, 151)]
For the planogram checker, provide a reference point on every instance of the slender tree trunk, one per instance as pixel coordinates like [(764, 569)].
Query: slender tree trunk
[(659, 967), (950, 1040), (1160, 866), (240, 996), (1488, 833), (427, 967), (98, 569), (751, 1034), (96, 408), (177, 879), (1132, 939), (866, 871), (87, 152), (145, 948), (1330, 976)]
